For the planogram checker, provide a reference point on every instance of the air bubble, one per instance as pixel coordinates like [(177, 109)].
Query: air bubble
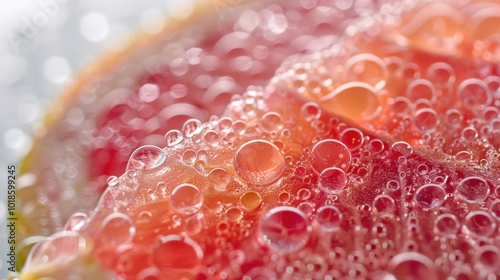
[(375, 146), (454, 117), (173, 137), (189, 156), (311, 111), (272, 122), (174, 252), (330, 153), (250, 200), (76, 222), (495, 209), (117, 229), (211, 137), (489, 257), (384, 204), (192, 127), (392, 185), (186, 199), (329, 218), (285, 229), (480, 223), (441, 74), (469, 134), (366, 107), (367, 68), (403, 148), (146, 157), (412, 265), (353, 138), (430, 196), (234, 213), (474, 94), (421, 89), (473, 189), (259, 162), (149, 92), (426, 119), (219, 179), (400, 105), (333, 180)]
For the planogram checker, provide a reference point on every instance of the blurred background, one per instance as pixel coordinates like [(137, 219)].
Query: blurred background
[(43, 45)]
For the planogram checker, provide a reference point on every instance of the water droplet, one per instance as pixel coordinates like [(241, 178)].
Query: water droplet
[(219, 179), (430, 196), (117, 229), (285, 229), (353, 138), (173, 137), (186, 199), (177, 252), (189, 156), (272, 122), (329, 217), (412, 265), (480, 223), (192, 127), (250, 200), (473, 189), (211, 137), (333, 180), (384, 204), (259, 162), (330, 153), (421, 89), (392, 185), (426, 119), (146, 157), (403, 148), (489, 257), (474, 94), (311, 111), (366, 107)]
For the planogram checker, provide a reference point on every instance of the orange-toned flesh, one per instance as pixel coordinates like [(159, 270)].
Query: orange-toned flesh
[(392, 174)]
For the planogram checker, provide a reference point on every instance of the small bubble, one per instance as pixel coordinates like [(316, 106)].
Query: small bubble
[(272, 122), (330, 153), (259, 162), (192, 127), (403, 148), (219, 179), (384, 204), (411, 263), (367, 68), (177, 252), (426, 119), (353, 138), (311, 111), (285, 229), (392, 185), (474, 94), (430, 196), (250, 200), (117, 229), (173, 137), (146, 157), (211, 137), (149, 92), (189, 156), (333, 180), (234, 213), (480, 223), (473, 189), (186, 199), (329, 218), (441, 74), (489, 257)]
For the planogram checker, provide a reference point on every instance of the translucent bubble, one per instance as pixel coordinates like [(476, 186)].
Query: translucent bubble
[(367, 68), (384, 204), (473, 189), (333, 180), (211, 137), (430, 196), (489, 257), (193, 225), (311, 111), (177, 252), (412, 265), (495, 209), (441, 74), (219, 179), (192, 127), (272, 121), (285, 229), (353, 138), (117, 229), (146, 157), (426, 119), (186, 199), (480, 223), (225, 125), (94, 26), (454, 117), (234, 213), (400, 105), (403, 148), (330, 153), (250, 200), (366, 107), (329, 217), (474, 94), (189, 156), (149, 92), (463, 156), (421, 89), (375, 146), (76, 222), (259, 162), (469, 134), (392, 185), (259, 273), (173, 137)]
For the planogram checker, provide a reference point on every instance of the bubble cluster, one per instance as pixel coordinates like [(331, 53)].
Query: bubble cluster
[(376, 156)]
